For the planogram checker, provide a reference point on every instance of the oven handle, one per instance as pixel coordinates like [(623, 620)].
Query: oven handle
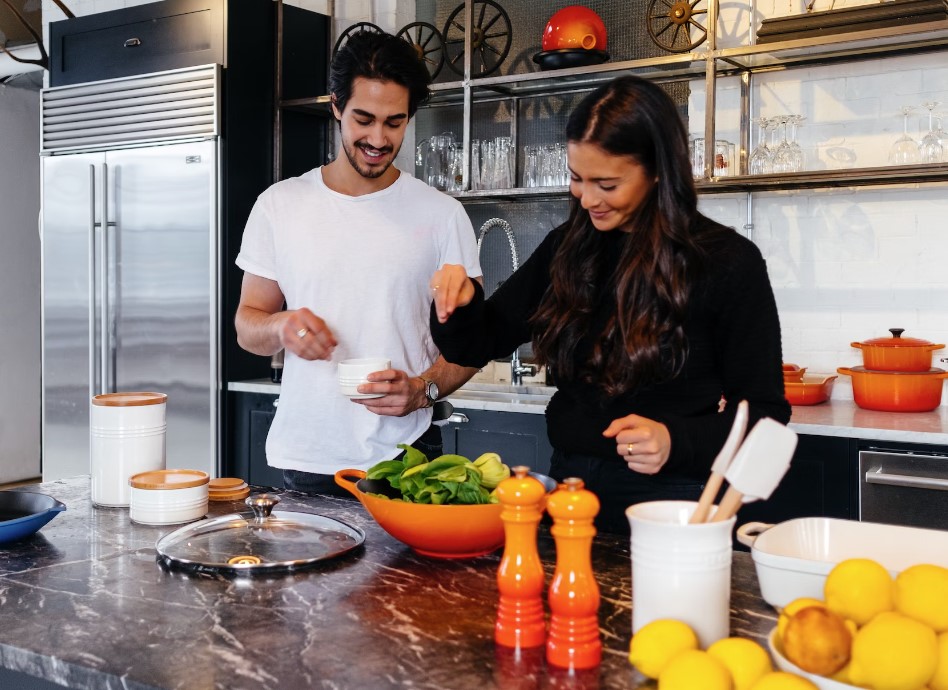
[(879, 477)]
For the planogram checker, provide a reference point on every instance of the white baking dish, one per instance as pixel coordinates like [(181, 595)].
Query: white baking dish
[(793, 558)]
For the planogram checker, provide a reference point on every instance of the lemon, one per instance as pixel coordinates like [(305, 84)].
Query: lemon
[(654, 645), (940, 680), (745, 659), (787, 611), (817, 640), (894, 652), (783, 681), (858, 589), (694, 669), (921, 592)]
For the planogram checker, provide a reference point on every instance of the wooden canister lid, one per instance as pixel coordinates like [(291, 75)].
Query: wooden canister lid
[(227, 489), (129, 399), (168, 479)]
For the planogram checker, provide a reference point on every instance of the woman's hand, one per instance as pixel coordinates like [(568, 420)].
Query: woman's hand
[(306, 335), (643, 443), (452, 289)]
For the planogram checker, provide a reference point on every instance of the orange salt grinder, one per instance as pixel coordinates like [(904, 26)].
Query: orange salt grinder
[(520, 622), (573, 642)]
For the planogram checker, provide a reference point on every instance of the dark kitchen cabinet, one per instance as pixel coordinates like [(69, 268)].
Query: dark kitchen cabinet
[(519, 439), (153, 37), (821, 482), (251, 417)]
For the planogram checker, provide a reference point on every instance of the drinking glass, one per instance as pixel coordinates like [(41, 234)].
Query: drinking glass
[(761, 159), (697, 157), (796, 152), (531, 166), (905, 149), (723, 158), (930, 149), (783, 154)]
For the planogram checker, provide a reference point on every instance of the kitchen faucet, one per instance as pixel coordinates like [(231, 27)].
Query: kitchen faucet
[(517, 368)]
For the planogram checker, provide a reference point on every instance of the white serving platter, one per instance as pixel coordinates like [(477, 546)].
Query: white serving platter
[(793, 558)]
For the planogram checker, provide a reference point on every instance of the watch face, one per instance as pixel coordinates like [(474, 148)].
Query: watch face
[(432, 391)]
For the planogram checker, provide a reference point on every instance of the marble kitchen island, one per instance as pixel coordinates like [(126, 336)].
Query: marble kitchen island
[(84, 604)]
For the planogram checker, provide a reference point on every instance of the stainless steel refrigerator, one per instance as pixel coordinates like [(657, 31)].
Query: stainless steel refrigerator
[(129, 225)]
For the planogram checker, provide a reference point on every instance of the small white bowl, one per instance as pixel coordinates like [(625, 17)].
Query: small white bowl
[(353, 372), (793, 558), (168, 497)]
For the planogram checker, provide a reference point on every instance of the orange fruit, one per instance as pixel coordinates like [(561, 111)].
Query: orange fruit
[(817, 640)]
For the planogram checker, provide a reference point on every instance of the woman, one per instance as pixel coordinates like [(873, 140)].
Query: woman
[(646, 312)]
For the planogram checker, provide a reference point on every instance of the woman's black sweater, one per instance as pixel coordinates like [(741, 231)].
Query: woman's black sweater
[(733, 336)]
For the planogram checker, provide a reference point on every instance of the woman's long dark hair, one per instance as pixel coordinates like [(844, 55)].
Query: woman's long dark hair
[(643, 341)]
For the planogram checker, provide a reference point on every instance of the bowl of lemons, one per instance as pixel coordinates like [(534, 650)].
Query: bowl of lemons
[(869, 630)]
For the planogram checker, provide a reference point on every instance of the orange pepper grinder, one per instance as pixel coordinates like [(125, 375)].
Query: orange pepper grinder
[(574, 641), (520, 622)]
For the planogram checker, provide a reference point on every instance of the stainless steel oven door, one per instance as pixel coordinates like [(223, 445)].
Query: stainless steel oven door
[(900, 488)]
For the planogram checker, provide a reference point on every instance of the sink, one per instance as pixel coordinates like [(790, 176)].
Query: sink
[(502, 392), (510, 390)]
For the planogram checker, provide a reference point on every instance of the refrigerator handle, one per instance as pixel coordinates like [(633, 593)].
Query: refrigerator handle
[(103, 285), (92, 226)]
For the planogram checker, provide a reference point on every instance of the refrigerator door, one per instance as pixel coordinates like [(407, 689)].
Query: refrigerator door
[(71, 215), (160, 294)]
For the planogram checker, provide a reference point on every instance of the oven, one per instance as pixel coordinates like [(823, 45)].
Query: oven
[(900, 487)]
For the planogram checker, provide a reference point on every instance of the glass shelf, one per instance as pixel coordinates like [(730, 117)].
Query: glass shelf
[(861, 45), (821, 179)]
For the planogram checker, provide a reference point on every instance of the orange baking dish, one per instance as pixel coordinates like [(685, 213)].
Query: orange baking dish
[(809, 390)]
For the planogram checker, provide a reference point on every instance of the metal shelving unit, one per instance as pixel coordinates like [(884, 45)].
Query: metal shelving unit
[(708, 63)]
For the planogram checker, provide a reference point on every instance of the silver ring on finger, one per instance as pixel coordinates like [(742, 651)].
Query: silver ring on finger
[(301, 333)]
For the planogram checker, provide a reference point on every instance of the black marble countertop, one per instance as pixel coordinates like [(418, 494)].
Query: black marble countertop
[(84, 604)]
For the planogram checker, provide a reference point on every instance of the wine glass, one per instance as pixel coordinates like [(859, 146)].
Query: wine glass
[(783, 154), (796, 152), (905, 149), (761, 160), (929, 148)]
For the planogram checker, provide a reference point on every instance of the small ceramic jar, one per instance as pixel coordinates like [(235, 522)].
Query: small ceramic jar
[(168, 497)]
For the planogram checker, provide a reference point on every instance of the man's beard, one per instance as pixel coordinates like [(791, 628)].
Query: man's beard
[(370, 173)]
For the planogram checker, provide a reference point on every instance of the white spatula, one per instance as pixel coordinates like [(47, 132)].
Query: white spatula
[(758, 467), (721, 463)]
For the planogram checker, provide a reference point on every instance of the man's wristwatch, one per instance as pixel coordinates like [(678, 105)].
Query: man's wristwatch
[(431, 391)]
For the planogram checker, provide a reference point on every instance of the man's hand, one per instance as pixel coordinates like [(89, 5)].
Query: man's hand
[(401, 394), (306, 335)]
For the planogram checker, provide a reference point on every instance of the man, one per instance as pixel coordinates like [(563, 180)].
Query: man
[(350, 248)]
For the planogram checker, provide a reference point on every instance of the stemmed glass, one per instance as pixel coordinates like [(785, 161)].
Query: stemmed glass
[(783, 154), (905, 149), (930, 149), (761, 159), (796, 152)]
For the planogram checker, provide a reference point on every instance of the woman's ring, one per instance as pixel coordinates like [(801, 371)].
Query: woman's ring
[(435, 288), (628, 448), (302, 332)]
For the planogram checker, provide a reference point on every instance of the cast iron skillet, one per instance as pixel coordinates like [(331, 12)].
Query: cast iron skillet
[(22, 513)]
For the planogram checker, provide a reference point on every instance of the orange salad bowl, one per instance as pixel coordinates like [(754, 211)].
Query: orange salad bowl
[(574, 27), (438, 531)]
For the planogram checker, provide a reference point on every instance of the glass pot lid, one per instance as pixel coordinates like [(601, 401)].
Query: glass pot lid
[(257, 543)]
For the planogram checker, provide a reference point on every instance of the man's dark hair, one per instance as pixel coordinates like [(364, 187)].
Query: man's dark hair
[(379, 56)]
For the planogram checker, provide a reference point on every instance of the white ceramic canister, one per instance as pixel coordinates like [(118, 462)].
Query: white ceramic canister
[(126, 437), (168, 497), (680, 570)]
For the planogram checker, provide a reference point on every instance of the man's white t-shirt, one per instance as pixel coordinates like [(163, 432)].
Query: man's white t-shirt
[(363, 264)]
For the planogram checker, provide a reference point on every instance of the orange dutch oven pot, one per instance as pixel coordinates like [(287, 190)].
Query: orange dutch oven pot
[(896, 391), (897, 353)]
